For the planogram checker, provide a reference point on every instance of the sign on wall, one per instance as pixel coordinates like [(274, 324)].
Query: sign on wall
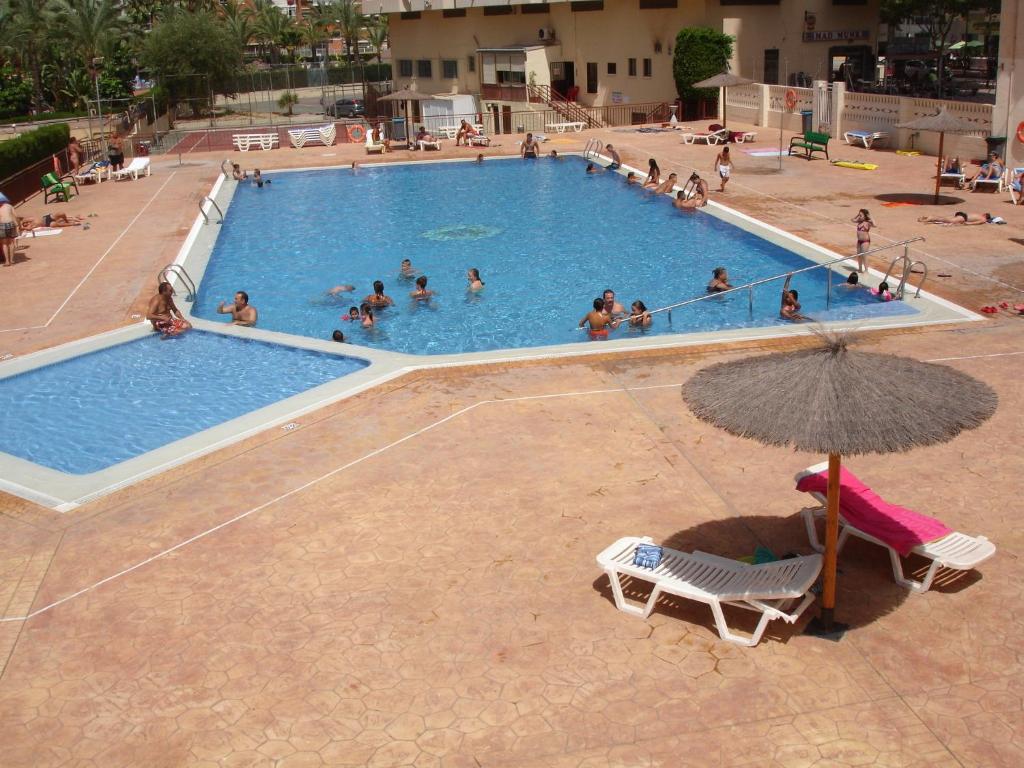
[(828, 37)]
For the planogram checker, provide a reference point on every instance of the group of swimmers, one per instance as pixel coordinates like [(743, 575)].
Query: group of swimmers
[(608, 314), (239, 174), (364, 313)]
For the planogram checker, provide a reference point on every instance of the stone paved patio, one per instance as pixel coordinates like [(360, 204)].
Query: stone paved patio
[(369, 600)]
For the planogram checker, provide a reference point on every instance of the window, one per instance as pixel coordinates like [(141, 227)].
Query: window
[(535, 8), (647, 67), (453, 13), (424, 68), (587, 5), (499, 10), (771, 66), (405, 67), (631, 67), (471, 63), (409, 15), (611, 67), (504, 69), (449, 69), (647, 5)]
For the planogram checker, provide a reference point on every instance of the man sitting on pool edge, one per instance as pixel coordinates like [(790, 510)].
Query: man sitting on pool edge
[(164, 314), (241, 313)]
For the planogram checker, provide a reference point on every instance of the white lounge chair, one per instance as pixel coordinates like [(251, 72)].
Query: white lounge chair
[(1014, 186), (325, 135), (998, 183), (425, 145), (769, 589), (372, 147), (956, 551), (138, 166), (867, 138), (720, 136), (93, 172), (478, 139)]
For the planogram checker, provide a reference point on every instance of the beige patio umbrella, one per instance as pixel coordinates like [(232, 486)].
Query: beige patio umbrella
[(724, 81), (408, 96), (943, 123), (833, 400)]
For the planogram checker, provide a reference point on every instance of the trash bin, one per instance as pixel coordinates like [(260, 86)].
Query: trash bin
[(997, 144), (806, 117)]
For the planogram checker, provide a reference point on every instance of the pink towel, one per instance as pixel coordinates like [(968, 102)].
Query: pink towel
[(865, 510)]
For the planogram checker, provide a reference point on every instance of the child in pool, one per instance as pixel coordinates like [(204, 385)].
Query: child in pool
[(473, 276), (367, 314), (639, 317), (352, 316), (882, 292), (406, 271), (421, 293)]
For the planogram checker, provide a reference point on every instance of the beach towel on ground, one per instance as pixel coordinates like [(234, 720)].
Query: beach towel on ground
[(900, 528)]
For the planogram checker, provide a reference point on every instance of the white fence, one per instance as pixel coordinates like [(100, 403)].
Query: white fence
[(765, 105)]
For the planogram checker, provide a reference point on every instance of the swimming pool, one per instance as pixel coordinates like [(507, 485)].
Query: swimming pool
[(96, 410), (546, 237)]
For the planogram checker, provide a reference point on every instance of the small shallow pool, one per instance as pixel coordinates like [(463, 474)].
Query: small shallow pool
[(90, 412), (546, 237)]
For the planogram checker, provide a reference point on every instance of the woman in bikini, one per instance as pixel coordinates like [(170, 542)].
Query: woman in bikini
[(378, 299), (864, 224), (653, 174)]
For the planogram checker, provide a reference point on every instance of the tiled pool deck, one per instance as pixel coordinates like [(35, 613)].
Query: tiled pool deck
[(408, 578)]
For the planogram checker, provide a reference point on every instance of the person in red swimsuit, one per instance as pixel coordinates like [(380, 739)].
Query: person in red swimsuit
[(599, 322), (164, 314)]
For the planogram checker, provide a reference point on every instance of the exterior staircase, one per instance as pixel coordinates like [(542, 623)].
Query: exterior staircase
[(569, 111)]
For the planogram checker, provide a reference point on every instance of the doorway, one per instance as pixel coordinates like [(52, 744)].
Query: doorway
[(563, 77), (591, 77), (851, 64), (771, 66)]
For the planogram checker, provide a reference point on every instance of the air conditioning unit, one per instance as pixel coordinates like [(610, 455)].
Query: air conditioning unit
[(546, 34)]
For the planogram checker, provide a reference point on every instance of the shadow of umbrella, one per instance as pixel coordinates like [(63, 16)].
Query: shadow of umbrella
[(942, 122), (912, 198), (836, 401)]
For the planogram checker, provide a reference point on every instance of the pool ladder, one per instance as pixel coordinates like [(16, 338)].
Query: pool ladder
[(592, 149), (907, 265), (178, 271), (214, 204)]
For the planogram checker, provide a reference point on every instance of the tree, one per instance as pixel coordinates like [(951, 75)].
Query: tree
[(238, 19), (270, 28), (699, 54), (193, 56), (938, 16), (377, 33), (15, 93), (25, 32), (288, 100)]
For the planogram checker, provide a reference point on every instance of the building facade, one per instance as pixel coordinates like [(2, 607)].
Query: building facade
[(604, 52)]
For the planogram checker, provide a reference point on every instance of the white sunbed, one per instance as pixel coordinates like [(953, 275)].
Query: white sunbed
[(93, 172), (138, 166), (770, 589), (425, 145), (371, 146), (1014, 186), (999, 182), (867, 138), (571, 125), (956, 178), (707, 137), (956, 551), (325, 135), (478, 139)]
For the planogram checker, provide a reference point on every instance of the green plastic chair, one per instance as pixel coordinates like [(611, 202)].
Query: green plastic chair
[(58, 189)]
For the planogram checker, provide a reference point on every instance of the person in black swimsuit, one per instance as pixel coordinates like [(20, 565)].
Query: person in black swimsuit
[(530, 147)]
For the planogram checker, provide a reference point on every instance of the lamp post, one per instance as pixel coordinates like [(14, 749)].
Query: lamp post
[(96, 64)]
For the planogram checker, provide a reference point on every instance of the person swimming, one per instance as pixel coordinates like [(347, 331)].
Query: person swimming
[(341, 289), (639, 317), (631, 178), (598, 321), (591, 168), (473, 276), (366, 313), (719, 281), (338, 336), (352, 316), (421, 293), (378, 298), (882, 292), (406, 271)]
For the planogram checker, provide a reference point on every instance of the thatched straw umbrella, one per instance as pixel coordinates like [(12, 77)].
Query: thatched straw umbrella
[(724, 80), (943, 123), (408, 96), (836, 401)]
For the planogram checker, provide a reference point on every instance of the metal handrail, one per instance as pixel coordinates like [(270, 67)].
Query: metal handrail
[(924, 276), (749, 287), (227, 173), (592, 146), (176, 270), (214, 204)]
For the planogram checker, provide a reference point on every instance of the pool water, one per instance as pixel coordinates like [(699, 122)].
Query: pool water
[(90, 412), (546, 237)]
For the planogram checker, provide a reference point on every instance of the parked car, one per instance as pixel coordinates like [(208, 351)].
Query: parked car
[(347, 108)]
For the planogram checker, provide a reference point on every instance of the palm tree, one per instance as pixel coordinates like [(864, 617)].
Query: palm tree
[(90, 27), (24, 32), (238, 18), (270, 29), (350, 21)]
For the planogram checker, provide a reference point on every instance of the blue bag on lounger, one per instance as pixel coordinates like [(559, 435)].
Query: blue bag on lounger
[(647, 555)]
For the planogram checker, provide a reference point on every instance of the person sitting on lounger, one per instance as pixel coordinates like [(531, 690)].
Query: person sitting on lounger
[(990, 171), (952, 165), (959, 219), (666, 186), (465, 131), (424, 138), (48, 220), (164, 314)]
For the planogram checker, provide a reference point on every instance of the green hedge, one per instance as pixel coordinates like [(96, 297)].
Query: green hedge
[(29, 148), (43, 116)]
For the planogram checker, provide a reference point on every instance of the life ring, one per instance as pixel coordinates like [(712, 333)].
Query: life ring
[(1020, 133), (356, 133), (790, 98)]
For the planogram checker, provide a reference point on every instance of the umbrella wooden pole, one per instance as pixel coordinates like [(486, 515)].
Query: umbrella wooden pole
[(938, 168), (828, 596)]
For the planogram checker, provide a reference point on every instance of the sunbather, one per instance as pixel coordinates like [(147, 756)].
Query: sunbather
[(959, 219), (666, 185), (50, 220), (952, 165), (990, 171)]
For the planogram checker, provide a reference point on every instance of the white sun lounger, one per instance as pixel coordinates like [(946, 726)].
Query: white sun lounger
[(325, 135), (138, 166), (999, 182), (867, 138), (372, 147), (769, 589), (956, 551), (707, 137), (1013, 186)]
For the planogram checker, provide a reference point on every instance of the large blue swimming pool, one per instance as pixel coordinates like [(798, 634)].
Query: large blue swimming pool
[(546, 237), (90, 412)]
